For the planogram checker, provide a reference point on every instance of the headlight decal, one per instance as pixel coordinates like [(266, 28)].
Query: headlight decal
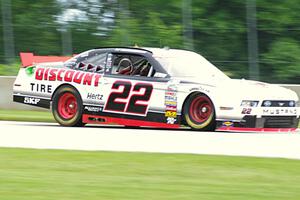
[(249, 103)]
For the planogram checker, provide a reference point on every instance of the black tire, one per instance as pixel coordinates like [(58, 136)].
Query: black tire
[(67, 107), (199, 112)]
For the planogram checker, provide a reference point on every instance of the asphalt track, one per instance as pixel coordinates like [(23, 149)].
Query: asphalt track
[(105, 138)]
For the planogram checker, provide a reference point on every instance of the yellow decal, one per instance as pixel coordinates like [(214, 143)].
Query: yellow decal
[(170, 114)]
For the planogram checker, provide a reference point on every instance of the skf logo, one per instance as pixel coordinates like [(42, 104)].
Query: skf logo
[(31, 100)]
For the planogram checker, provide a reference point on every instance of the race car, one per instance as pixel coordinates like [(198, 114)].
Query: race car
[(151, 87)]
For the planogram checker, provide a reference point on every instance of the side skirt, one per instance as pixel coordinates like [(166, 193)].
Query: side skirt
[(32, 101), (96, 119)]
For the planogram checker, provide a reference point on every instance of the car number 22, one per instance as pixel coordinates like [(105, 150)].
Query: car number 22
[(129, 99)]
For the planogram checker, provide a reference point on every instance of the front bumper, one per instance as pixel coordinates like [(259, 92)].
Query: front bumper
[(271, 122)]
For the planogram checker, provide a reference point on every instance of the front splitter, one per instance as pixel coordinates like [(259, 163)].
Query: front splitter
[(243, 129)]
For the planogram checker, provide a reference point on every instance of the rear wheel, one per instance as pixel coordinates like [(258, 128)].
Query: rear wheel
[(67, 107), (199, 112)]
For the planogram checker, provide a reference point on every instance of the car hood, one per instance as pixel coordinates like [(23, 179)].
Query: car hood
[(255, 90), (247, 89)]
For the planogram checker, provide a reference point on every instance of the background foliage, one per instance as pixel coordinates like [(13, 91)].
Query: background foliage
[(219, 29)]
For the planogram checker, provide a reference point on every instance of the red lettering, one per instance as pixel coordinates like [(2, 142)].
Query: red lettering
[(69, 75), (39, 74), (88, 79), (97, 77), (52, 76), (78, 77), (59, 77), (46, 74)]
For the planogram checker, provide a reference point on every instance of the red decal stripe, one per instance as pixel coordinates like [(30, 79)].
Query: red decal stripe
[(126, 122)]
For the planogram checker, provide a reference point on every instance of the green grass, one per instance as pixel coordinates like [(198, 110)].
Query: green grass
[(69, 175), (30, 116)]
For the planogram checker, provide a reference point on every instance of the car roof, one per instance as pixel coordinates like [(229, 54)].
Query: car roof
[(152, 50), (125, 49)]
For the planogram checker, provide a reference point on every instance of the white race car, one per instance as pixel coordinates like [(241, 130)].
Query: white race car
[(151, 87)]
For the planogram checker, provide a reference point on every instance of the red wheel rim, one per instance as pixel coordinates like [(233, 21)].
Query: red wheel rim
[(201, 109), (67, 106)]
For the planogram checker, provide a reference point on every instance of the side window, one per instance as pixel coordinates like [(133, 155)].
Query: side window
[(92, 61), (131, 65)]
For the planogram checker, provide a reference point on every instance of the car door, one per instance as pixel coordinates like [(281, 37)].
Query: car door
[(91, 65), (133, 93)]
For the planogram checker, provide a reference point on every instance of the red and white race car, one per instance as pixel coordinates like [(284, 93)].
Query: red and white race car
[(150, 87)]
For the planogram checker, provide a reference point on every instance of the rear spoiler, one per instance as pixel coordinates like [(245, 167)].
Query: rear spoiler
[(29, 59)]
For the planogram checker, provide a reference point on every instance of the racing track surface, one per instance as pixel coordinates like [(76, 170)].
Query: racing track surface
[(53, 136)]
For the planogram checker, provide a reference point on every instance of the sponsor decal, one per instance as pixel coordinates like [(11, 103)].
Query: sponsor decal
[(30, 70), (31, 100), (170, 98), (171, 107), (170, 113), (171, 120), (200, 88), (280, 111), (41, 88), (170, 94), (227, 124), (67, 75), (93, 108), (94, 96), (171, 104)]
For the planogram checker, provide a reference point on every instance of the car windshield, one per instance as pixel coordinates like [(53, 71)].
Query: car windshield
[(95, 57), (74, 60), (188, 64)]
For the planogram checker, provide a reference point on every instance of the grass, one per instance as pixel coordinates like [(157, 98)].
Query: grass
[(69, 175), (30, 116)]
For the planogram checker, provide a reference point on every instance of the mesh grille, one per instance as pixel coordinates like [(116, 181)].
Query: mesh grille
[(280, 122)]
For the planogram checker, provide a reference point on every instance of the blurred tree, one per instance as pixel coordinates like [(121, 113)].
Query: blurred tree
[(219, 30), (279, 28), (220, 34), (8, 33), (145, 25), (1, 38), (89, 21), (34, 28), (283, 61)]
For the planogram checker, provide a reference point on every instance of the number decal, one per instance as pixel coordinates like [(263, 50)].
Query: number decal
[(246, 111), (127, 99), (134, 105), (114, 98)]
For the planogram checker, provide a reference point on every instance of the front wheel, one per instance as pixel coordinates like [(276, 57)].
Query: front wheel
[(67, 106), (199, 112)]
